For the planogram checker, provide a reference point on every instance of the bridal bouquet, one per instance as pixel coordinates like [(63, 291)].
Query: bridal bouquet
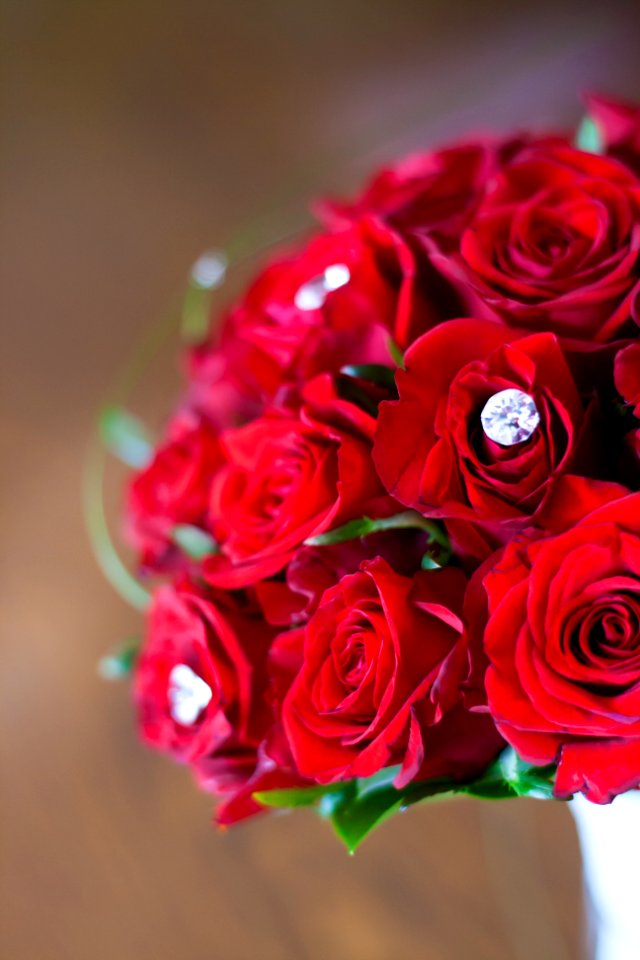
[(391, 533)]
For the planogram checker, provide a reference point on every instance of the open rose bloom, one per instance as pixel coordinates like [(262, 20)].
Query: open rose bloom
[(391, 533)]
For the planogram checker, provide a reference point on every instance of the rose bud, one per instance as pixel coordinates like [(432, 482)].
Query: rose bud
[(563, 641), (555, 244), (484, 425), (172, 490), (380, 682)]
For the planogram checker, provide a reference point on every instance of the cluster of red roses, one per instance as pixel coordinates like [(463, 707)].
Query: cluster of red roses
[(397, 510)]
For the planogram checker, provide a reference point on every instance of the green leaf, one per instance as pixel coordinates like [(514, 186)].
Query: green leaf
[(301, 796), (363, 527), (588, 136), (120, 663), (510, 776), (395, 353), (356, 807), (193, 541), (376, 800), (355, 820), (350, 531), (355, 815), (125, 437), (359, 810), (373, 372)]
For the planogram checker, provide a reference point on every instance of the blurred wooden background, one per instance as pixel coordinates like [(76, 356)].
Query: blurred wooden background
[(135, 134)]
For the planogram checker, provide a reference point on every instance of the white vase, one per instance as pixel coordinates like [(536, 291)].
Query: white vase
[(610, 843)]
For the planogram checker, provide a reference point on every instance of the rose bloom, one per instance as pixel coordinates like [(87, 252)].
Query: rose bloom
[(430, 448), (289, 476), (339, 300), (380, 682), (201, 677), (555, 244), (173, 489), (618, 124), (213, 391), (563, 641)]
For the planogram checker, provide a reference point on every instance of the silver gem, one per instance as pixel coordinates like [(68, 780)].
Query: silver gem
[(510, 417), (188, 695), (312, 295)]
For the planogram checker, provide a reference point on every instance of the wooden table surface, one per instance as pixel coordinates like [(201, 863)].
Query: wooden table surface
[(135, 135)]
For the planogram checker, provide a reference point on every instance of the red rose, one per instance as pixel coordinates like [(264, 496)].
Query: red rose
[(618, 124), (340, 300), (201, 678), (213, 391), (290, 476), (430, 193), (563, 641), (380, 682), (431, 450), (555, 244), (172, 490)]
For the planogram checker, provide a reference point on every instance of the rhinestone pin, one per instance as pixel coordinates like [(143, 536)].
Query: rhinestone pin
[(312, 295), (188, 695), (510, 417)]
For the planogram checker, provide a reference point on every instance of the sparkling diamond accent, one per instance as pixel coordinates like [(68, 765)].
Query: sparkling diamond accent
[(510, 417), (312, 295), (188, 695)]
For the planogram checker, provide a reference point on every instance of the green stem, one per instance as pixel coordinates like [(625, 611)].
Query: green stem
[(412, 520), (95, 515)]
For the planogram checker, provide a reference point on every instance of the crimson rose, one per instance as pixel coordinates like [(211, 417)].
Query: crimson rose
[(563, 641), (290, 476), (340, 300), (430, 448), (380, 681), (555, 244), (173, 489), (201, 678)]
